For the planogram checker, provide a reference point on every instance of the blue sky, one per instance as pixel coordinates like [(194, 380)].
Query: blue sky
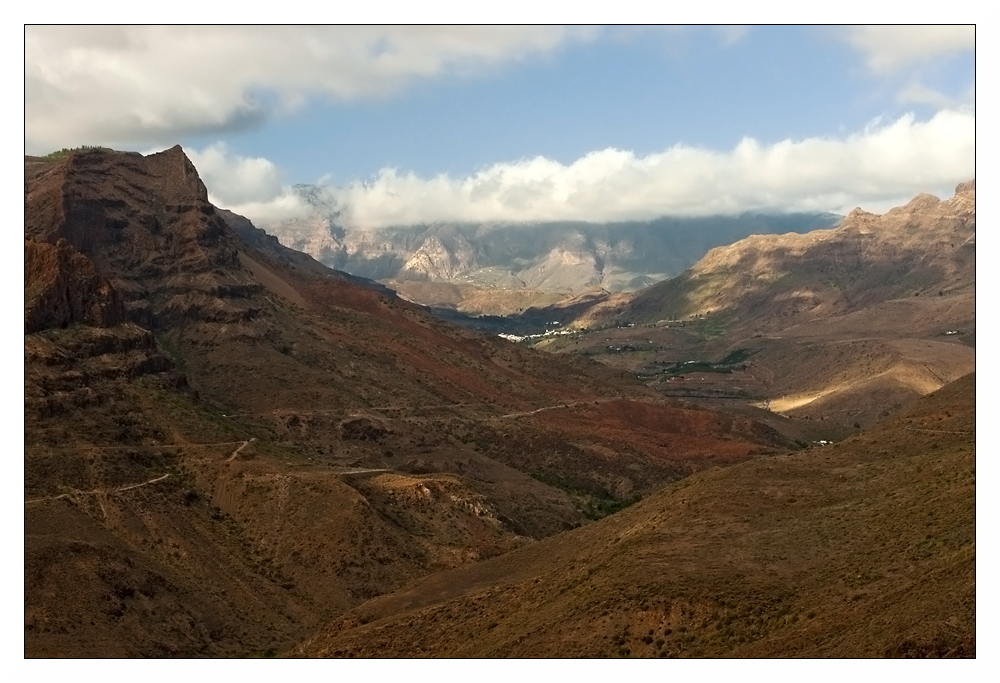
[(642, 92), (412, 125)]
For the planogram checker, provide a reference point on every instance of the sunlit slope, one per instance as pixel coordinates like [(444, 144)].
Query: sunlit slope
[(770, 282)]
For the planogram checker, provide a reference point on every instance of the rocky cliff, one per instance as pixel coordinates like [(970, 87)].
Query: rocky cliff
[(62, 287)]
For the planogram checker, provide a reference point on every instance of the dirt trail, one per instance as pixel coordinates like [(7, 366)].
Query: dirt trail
[(237, 451), (119, 448), (98, 491), (243, 444), (359, 412), (572, 404)]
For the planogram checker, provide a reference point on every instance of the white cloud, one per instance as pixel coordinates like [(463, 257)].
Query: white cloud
[(891, 48), (887, 162), (285, 206), (882, 166), (236, 179), (918, 93), (124, 84), (251, 187)]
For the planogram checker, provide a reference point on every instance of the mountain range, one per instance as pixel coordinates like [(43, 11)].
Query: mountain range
[(227, 444), (842, 326), (233, 450), (504, 268), (927, 247)]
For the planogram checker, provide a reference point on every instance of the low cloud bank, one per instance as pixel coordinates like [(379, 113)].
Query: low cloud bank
[(250, 186), (877, 168), (880, 167)]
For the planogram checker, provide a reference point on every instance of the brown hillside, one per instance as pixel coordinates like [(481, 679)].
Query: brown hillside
[(258, 443), (861, 549), (842, 325)]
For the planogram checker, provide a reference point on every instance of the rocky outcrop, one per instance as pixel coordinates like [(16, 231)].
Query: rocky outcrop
[(62, 288), (144, 222), (441, 258)]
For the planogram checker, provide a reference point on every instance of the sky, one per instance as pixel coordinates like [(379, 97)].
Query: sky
[(407, 125)]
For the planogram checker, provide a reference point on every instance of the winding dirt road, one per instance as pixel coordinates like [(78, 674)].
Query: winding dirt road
[(98, 491), (237, 451), (572, 404)]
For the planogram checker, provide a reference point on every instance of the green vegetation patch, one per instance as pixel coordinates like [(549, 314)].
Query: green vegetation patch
[(733, 361), (67, 151), (736, 357), (593, 504)]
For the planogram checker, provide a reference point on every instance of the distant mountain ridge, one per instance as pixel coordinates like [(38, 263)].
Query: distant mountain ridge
[(845, 325), (548, 257), (772, 281)]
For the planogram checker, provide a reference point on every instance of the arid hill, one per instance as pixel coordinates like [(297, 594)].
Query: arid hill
[(842, 325), (861, 549), (227, 444), (766, 283)]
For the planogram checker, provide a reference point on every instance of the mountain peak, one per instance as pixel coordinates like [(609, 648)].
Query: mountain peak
[(967, 188), (922, 202)]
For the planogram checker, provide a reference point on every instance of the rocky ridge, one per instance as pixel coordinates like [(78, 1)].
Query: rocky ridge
[(842, 326), (925, 247)]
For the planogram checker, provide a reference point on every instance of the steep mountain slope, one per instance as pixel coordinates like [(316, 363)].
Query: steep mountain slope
[(843, 325), (770, 282), (227, 444), (862, 549)]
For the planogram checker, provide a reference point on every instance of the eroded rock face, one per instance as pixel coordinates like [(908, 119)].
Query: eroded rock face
[(146, 225), (62, 287)]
